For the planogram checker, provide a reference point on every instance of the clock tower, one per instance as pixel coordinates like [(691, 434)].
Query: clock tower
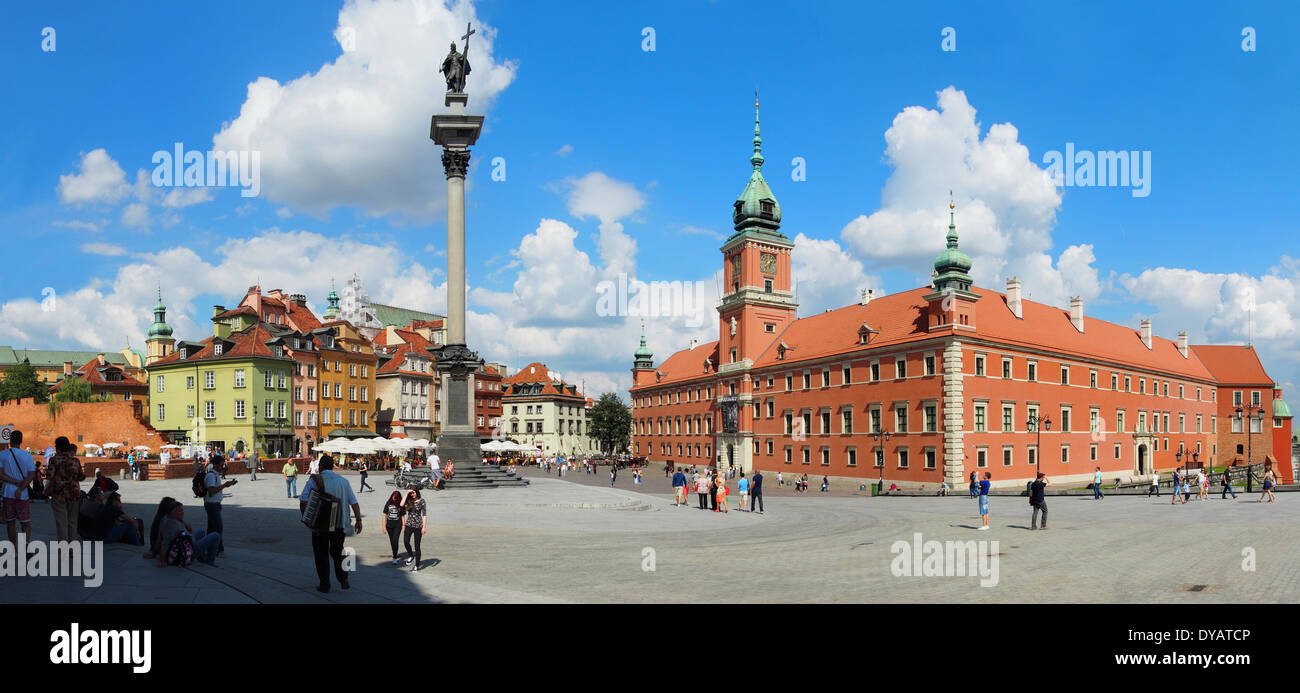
[(757, 303)]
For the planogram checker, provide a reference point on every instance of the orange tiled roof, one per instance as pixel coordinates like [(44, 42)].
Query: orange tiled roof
[(90, 373), (901, 318), (241, 310), (246, 344), (1233, 365)]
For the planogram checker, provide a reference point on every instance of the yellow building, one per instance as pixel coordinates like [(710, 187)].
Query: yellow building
[(347, 382)]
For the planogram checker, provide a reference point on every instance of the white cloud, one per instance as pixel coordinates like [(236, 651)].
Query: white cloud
[(179, 198), (826, 276), (1006, 204), (565, 150), (355, 132), (692, 230), (284, 212), (109, 249), (136, 215), (76, 225), (100, 179), (609, 200)]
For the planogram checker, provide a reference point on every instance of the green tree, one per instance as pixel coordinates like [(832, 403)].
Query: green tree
[(72, 390), (611, 423), (20, 381)]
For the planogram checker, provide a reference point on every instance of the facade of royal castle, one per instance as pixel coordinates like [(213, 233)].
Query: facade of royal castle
[(930, 384)]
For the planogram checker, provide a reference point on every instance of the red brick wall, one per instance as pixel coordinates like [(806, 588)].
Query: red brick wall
[(89, 422)]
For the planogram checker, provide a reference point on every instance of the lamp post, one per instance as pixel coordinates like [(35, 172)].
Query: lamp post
[(876, 436), (1253, 412), (1033, 423)]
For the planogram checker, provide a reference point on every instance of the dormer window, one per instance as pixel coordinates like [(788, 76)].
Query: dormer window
[(864, 333), (217, 348), (766, 207)]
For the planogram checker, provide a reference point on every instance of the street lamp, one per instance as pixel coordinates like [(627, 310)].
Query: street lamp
[(876, 436), (1253, 412), (1033, 422)]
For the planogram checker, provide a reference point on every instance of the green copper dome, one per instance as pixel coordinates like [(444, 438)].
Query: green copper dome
[(952, 267), (757, 206), (1281, 410), (332, 310), (644, 358), (160, 328)]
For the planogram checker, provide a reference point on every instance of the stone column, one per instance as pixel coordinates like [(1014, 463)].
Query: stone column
[(458, 440)]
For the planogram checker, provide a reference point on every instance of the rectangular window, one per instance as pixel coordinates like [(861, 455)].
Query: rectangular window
[(851, 457), (311, 418), (846, 420), (826, 457), (266, 408), (1065, 419), (875, 419), (1065, 453), (900, 419), (875, 373), (1118, 451), (239, 409), (982, 458), (880, 457), (365, 393), (297, 394), (1236, 398), (1006, 369), (1065, 375), (807, 455), (1092, 379), (1092, 452), (209, 410), (902, 458), (162, 385), (826, 377), (325, 416), (807, 381), (282, 381), (1033, 371), (1007, 456), (162, 412), (189, 411), (352, 370), (788, 455), (929, 365), (769, 447), (1033, 455), (189, 382), (1119, 421), (929, 458), (280, 412), (1254, 398), (900, 368), (789, 382), (1128, 384), (209, 380), (826, 422), (979, 365), (771, 408), (979, 418), (847, 375), (1008, 419), (267, 379), (931, 418)]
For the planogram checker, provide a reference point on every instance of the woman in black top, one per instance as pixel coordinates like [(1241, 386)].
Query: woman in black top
[(365, 469), (415, 523), (393, 512)]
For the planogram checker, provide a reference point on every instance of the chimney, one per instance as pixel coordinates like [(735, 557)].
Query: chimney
[(67, 368), (1146, 332), (1182, 343), (1076, 312), (866, 296), (1013, 297), (218, 310)]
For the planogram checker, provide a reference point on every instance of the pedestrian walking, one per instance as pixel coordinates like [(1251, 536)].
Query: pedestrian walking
[(251, 463), (742, 486), (613, 474), (290, 472), (1096, 485), (722, 495), (756, 493), (780, 479), (826, 484), (1038, 500), (64, 488), (679, 488), (327, 543), (1270, 480), (393, 512), (416, 521), (1226, 480), (1155, 484), (713, 490), (702, 490), (984, 499), (1178, 478), (365, 471)]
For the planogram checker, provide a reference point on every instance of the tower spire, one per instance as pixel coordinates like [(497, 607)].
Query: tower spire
[(757, 158), (952, 223)]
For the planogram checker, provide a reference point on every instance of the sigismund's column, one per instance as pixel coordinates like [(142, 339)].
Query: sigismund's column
[(456, 363)]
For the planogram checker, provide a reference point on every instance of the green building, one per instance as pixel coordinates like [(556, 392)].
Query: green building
[(231, 391)]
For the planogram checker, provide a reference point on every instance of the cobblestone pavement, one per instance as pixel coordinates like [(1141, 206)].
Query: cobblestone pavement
[(561, 541)]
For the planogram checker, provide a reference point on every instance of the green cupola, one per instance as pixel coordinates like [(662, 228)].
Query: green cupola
[(756, 209), (644, 358), (952, 267), (160, 328), (332, 310)]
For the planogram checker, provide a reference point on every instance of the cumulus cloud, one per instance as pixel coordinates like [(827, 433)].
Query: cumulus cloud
[(609, 200), (827, 276), (100, 179), (356, 131), (109, 249), (565, 150), (1006, 204)]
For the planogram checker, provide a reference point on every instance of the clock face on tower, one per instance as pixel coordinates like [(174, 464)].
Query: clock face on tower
[(767, 263)]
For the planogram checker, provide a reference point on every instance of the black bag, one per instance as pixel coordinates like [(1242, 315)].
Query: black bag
[(323, 510), (36, 489), (197, 485)]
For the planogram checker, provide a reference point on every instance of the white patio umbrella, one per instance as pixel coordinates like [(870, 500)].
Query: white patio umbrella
[(171, 445), (111, 445), (141, 447), (493, 446)]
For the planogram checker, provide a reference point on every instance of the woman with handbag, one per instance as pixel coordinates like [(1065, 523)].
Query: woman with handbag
[(415, 527)]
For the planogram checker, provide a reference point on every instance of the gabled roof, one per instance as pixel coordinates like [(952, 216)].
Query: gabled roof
[(687, 364), (95, 374), (247, 344), (241, 310), (1233, 365)]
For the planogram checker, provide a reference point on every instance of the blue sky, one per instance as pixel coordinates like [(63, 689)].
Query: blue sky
[(635, 156)]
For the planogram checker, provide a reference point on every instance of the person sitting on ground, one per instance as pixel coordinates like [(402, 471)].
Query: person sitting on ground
[(173, 528), (104, 483), (90, 505), (113, 525), (164, 506)]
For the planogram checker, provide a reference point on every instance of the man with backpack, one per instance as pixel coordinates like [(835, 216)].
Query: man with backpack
[(327, 539), (210, 489)]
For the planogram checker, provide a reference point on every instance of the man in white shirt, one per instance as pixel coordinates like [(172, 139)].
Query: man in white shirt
[(1155, 484), (328, 545), (435, 466), (17, 469)]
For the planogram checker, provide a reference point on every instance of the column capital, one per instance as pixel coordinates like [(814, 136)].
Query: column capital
[(455, 162)]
